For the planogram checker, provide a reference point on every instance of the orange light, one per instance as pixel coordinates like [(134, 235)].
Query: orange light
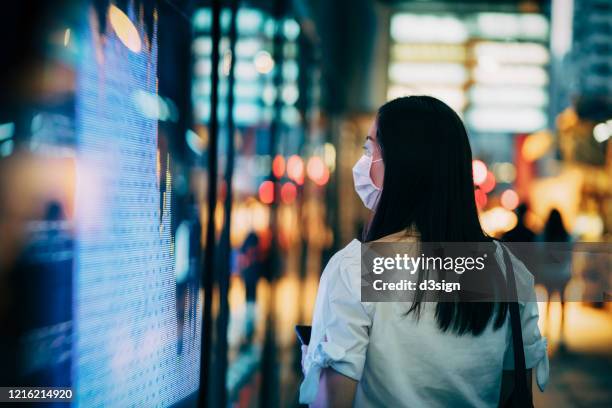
[(278, 166), (316, 169), (266, 192), (124, 28), (288, 192), (479, 171), (509, 199), (537, 145), (481, 198), (295, 169), (489, 183)]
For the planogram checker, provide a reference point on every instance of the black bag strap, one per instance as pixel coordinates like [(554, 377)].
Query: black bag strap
[(521, 394)]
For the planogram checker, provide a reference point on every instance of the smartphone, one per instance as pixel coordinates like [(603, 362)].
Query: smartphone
[(303, 333)]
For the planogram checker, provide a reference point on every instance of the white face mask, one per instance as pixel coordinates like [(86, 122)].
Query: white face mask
[(364, 186)]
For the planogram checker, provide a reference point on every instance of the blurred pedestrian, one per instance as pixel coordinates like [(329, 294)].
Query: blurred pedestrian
[(554, 271), (250, 268), (416, 177), (520, 233)]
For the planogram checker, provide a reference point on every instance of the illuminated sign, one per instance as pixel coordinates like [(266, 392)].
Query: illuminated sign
[(492, 64)]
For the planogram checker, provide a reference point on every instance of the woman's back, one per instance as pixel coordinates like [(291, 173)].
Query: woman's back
[(410, 363), (402, 362)]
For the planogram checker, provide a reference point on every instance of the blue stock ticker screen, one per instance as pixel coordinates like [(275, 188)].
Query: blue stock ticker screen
[(135, 344)]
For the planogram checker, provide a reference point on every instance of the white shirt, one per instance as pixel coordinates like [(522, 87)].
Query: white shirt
[(399, 362)]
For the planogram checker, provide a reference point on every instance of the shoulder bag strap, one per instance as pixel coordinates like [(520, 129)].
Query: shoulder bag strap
[(521, 394)]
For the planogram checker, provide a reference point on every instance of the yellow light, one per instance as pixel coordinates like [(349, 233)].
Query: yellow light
[(429, 52), (66, 37), (227, 62), (125, 29), (329, 153), (260, 216), (504, 172), (561, 192), (498, 220), (589, 226), (237, 293)]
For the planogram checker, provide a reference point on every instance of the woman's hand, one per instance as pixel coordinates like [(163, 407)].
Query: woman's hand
[(343, 387)]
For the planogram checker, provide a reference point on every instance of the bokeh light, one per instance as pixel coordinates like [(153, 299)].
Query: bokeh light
[(266, 192), (537, 145), (589, 226), (602, 132), (509, 199), (489, 183), (481, 198), (498, 220), (321, 181), (124, 28), (288, 192), (278, 166), (263, 62), (479, 171), (295, 169), (504, 172), (315, 169)]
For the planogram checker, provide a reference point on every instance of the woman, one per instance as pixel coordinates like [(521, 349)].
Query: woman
[(416, 176), (555, 269)]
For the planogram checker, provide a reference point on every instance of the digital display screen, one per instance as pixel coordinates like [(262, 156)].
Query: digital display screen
[(136, 307)]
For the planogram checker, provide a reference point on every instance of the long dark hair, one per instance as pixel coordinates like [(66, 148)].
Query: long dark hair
[(428, 186)]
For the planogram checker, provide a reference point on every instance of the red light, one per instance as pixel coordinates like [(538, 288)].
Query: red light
[(278, 166), (316, 169), (509, 199), (288, 193), (266, 192), (489, 183), (481, 198), (295, 169), (479, 171), (324, 177)]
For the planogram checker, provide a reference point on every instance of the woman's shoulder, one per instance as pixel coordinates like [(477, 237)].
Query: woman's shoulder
[(523, 277), (344, 267), (347, 255)]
